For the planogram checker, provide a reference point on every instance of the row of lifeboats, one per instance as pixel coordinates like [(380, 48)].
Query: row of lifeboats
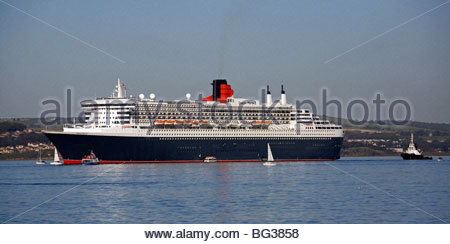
[(201, 123), (196, 122), (171, 122)]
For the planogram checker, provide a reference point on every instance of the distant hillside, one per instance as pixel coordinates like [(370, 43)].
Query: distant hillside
[(11, 126), (373, 139), (411, 126), (35, 123)]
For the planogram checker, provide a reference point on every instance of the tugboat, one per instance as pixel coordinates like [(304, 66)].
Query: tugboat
[(91, 159), (412, 153)]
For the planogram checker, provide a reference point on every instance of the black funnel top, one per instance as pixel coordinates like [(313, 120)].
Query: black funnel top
[(216, 88)]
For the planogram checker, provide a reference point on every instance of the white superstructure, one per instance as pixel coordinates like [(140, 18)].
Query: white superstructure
[(412, 147), (119, 115)]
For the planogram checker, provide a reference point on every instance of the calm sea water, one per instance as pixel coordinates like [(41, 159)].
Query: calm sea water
[(350, 190)]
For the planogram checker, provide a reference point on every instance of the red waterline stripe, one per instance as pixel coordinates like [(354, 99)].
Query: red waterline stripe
[(70, 161)]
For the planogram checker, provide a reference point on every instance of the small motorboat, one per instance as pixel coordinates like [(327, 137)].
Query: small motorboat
[(90, 159), (270, 161), (56, 161), (440, 159), (210, 159), (40, 161)]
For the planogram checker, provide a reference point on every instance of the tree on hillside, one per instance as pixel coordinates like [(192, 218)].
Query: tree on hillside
[(7, 126)]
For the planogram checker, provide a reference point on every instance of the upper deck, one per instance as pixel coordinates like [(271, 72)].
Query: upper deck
[(220, 114)]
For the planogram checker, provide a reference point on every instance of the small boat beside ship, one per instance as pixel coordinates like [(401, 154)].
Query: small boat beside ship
[(210, 159), (413, 153), (90, 159), (56, 161), (270, 161), (40, 161)]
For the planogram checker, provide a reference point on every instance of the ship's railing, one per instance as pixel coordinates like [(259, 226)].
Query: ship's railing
[(75, 126)]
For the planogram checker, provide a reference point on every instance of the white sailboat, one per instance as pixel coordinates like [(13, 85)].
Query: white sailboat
[(40, 161), (270, 161), (56, 161)]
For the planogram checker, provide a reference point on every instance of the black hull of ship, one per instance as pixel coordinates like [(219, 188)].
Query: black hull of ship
[(407, 156), (128, 149)]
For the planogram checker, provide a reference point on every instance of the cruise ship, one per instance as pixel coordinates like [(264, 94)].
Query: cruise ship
[(126, 129)]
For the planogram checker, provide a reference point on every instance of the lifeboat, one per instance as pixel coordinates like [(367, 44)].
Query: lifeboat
[(260, 124), (159, 123), (205, 124), (187, 123), (195, 123), (178, 123), (265, 124), (169, 123)]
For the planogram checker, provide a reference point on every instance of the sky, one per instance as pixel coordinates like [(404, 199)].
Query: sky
[(353, 48)]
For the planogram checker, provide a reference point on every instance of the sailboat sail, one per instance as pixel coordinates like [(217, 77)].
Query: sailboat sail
[(56, 156), (269, 154)]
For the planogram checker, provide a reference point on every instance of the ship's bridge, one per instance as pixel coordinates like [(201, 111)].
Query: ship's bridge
[(107, 112)]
